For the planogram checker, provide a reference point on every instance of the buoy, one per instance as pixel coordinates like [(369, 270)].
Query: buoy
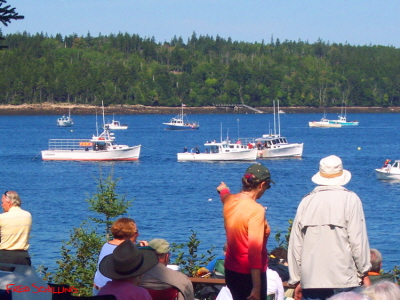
[(359, 148)]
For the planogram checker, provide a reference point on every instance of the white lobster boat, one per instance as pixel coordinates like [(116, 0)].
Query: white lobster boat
[(221, 151), (99, 148)]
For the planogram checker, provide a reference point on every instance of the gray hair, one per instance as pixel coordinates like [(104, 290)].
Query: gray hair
[(376, 260), (347, 296), (13, 198), (383, 290)]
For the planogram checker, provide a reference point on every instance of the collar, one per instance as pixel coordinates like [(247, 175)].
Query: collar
[(373, 273)]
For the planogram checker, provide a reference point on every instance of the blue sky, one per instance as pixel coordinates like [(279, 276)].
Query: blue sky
[(356, 22)]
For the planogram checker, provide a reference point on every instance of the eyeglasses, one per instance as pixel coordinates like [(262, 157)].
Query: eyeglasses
[(5, 193)]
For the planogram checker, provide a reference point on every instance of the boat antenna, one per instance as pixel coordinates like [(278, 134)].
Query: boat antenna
[(102, 104), (273, 101), (279, 120), (221, 132), (97, 126), (238, 129)]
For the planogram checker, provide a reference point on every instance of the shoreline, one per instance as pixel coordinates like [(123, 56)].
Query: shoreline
[(62, 109)]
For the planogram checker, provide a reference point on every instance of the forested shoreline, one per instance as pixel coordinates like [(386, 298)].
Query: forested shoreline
[(126, 69)]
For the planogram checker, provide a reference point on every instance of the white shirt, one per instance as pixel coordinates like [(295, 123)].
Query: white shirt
[(274, 284)]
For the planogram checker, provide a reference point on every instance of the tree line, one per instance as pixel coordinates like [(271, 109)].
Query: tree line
[(128, 69)]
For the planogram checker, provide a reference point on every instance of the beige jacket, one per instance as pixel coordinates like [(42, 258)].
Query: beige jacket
[(328, 245)]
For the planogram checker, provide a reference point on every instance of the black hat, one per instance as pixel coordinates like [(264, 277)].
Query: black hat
[(127, 261)]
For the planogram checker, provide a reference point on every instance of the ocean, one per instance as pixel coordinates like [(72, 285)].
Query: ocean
[(173, 198)]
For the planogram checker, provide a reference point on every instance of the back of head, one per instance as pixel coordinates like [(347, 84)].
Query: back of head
[(347, 296), (280, 253), (255, 174), (161, 246), (383, 290), (376, 260), (13, 198), (124, 228)]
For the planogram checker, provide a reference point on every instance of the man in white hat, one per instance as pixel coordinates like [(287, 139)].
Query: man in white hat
[(328, 246), (160, 278)]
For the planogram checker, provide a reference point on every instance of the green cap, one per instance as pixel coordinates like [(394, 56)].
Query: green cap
[(161, 246), (260, 172)]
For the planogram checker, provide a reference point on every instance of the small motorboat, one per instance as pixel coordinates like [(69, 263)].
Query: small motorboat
[(180, 122), (324, 123), (389, 171), (116, 125), (65, 121)]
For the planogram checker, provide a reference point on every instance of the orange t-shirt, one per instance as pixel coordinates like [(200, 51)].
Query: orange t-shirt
[(247, 232)]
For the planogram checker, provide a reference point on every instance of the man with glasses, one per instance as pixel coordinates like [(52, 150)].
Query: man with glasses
[(161, 279), (15, 227)]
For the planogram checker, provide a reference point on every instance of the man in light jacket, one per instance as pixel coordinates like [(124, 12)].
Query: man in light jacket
[(328, 247)]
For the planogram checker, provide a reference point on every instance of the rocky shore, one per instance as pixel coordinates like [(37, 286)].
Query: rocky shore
[(60, 109)]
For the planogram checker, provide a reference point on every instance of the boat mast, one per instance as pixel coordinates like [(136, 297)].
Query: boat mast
[(279, 120), (273, 101)]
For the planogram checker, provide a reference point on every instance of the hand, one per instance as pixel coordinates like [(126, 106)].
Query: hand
[(366, 281), (254, 295), (143, 243), (298, 295), (221, 187)]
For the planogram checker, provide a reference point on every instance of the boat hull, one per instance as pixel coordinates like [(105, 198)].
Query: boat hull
[(281, 150), (65, 123), (324, 125), (117, 153), (384, 174), (248, 155), (121, 127), (355, 123), (180, 127)]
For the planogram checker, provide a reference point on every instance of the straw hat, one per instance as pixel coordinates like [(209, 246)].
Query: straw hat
[(127, 261), (331, 172)]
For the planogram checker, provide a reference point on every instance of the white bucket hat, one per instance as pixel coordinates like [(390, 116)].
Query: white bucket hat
[(331, 172)]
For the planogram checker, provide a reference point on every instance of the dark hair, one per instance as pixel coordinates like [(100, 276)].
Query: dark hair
[(280, 253), (124, 228), (249, 182)]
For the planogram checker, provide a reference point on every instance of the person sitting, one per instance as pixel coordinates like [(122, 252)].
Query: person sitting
[(274, 285), (185, 149), (125, 266), (197, 150), (161, 278), (122, 229), (382, 290), (216, 266), (376, 264), (278, 262)]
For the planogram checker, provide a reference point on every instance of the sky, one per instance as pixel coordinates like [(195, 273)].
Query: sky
[(355, 22)]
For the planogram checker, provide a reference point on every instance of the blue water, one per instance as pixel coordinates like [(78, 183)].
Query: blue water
[(172, 198)]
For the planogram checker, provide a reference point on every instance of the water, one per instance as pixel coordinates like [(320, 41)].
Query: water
[(172, 198)]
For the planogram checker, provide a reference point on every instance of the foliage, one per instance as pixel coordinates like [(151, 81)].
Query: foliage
[(78, 261), (7, 13), (79, 254), (191, 261), (128, 69), (285, 242), (396, 273), (107, 203)]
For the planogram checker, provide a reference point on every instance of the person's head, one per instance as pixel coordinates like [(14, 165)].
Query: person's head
[(331, 172), (376, 260), (347, 296), (279, 253), (382, 290), (257, 177), (127, 261), (162, 249), (125, 228), (10, 199)]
